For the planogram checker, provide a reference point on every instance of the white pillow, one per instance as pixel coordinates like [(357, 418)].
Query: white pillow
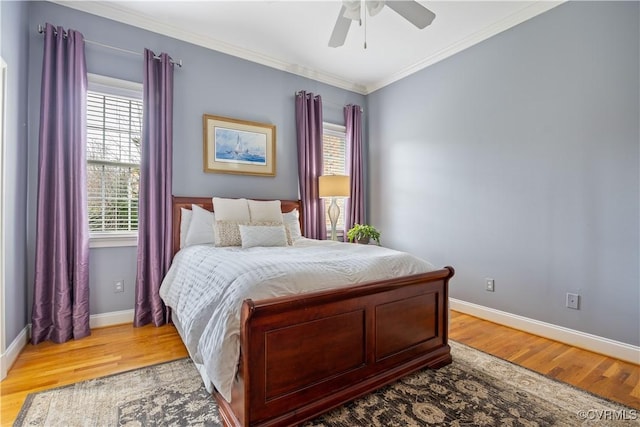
[(185, 221), (261, 210), (201, 227), (231, 209), (262, 235), (292, 223)]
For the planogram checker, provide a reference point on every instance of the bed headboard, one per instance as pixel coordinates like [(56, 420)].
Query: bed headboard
[(178, 202)]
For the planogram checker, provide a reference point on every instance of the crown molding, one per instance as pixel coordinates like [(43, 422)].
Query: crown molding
[(110, 11), (113, 12), (514, 19)]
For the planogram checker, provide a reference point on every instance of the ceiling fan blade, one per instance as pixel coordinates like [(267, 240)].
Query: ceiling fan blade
[(340, 30), (413, 12)]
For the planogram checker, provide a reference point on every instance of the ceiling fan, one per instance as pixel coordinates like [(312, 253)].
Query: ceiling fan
[(351, 10)]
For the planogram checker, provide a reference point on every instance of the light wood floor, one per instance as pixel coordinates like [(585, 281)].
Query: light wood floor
[(122, 348), (605, 376)]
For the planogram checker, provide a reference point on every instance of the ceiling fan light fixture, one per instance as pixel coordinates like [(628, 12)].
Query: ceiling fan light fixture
[(374, 6), (352, 9)]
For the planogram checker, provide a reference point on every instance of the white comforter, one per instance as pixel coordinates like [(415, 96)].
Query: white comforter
[(205, 287)]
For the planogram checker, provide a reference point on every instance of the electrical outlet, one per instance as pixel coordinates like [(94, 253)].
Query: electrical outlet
[(489, 285), (573, 301), (118, 286)]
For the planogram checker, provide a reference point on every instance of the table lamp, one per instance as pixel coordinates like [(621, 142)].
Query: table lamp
[(333, 186)]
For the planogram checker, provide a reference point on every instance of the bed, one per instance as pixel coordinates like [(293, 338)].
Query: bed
[(304, 354)]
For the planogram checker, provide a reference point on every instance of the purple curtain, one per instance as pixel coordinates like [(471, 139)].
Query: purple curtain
[(309, 135), (355, 203), (61, 289), (154, 211)]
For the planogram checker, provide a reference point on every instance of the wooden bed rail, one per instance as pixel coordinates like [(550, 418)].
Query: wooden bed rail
[(281, 304)]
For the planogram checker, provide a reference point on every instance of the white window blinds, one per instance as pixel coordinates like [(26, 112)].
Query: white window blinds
[(114, 130), (334, 163)]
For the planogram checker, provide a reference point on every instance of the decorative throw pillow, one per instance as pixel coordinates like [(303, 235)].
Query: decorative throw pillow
[(227, 233), (231, 209), (262, 235), (201, 229), (262, 210), (292, 224), (185, 221)]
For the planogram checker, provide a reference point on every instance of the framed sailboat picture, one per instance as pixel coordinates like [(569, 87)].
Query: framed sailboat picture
[(238, 146)]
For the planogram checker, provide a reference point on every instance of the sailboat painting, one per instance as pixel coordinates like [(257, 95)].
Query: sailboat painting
[(240, 146)]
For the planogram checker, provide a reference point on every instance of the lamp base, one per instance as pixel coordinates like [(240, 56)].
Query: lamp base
[(334, 214)]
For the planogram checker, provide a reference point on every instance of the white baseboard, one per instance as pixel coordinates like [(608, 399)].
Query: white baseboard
[(102, 320), (111, 319), (8, 358), (597, 344)]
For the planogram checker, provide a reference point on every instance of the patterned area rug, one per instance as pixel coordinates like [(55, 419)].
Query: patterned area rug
[(475, 390)]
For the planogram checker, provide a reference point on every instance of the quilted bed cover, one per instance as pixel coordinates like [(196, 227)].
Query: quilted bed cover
[(206, 285)]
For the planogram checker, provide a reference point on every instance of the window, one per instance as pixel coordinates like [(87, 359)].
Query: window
[(334, 156), (114, 130)]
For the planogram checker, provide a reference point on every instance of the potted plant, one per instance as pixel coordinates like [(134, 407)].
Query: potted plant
[(362, 233)]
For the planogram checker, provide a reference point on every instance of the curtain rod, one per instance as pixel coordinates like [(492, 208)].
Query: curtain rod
[(298, 93), (41, 30)]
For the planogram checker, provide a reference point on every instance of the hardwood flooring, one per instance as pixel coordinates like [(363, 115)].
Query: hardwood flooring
[(602, 375), (106, 351), (122, 348)]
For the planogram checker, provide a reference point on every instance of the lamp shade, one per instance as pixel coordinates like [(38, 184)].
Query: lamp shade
[(333, 186)]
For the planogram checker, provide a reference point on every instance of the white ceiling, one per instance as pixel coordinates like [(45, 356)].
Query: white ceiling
[(293, 35)]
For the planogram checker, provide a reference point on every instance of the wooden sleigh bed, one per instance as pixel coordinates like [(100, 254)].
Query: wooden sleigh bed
[(306, 354)]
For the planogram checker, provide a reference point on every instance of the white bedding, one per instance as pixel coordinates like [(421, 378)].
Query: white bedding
[(206, 285)]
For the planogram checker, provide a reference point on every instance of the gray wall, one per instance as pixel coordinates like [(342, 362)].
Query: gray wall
[(13, 37), (518, 159), (209, 82)]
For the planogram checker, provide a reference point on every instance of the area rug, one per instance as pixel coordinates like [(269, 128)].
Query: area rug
[(475, 390)]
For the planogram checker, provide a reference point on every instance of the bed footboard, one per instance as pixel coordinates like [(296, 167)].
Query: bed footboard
[(302, 356)]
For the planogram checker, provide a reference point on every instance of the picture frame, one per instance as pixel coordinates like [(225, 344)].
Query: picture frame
[(238, 146)]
